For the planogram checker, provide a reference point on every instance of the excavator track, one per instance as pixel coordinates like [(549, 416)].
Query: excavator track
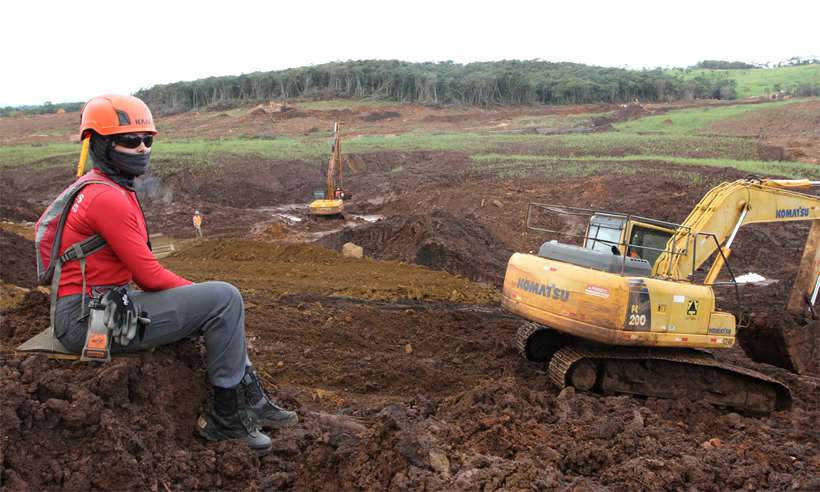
[(537, 343), (668, 373), (522, 336)]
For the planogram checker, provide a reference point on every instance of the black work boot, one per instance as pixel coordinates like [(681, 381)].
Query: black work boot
[(268, 415), (231, 419)]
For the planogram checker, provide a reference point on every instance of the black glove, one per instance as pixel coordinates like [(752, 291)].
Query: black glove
[(121, 315)]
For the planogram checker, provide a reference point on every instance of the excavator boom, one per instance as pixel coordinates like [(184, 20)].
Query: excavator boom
[(715, 220)]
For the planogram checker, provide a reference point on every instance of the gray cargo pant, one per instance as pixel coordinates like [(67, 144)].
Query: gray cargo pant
[(214, 310)]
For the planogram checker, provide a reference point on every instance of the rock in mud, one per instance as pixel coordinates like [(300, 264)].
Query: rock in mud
[(352, 250)]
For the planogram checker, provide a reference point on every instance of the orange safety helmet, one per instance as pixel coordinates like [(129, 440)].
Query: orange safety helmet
[(114, 114)]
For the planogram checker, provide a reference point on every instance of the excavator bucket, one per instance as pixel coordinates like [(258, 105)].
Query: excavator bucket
[(794, 346), (792, 341)]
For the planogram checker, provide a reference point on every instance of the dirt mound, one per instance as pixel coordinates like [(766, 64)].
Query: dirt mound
[(18, 265), (459, 245), (281, 269), (126, 425)]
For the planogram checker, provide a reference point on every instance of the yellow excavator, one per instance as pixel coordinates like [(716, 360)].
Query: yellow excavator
[(332, 203), (629, 310)]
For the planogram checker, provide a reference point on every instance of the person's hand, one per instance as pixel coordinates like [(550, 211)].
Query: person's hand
[(121, 315)]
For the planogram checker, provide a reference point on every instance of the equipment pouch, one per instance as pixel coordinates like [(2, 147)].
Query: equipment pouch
[(98, 337)]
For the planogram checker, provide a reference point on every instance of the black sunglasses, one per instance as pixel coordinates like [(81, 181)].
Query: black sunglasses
[(133, 141)]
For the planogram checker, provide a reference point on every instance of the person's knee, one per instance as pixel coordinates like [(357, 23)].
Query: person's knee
[(225, 291)]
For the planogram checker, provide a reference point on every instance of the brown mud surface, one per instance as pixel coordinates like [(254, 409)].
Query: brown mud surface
[(16, 260), (402, 371)]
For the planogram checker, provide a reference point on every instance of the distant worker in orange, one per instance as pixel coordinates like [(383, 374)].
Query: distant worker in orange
[(198, 223)]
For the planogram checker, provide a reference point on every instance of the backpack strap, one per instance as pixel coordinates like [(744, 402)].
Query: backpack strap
[(77, 251)]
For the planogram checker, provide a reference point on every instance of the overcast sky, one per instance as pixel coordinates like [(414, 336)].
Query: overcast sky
[(65, 51)]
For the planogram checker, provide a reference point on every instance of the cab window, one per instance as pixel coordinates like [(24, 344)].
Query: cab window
[(604, 233), (647, 243)]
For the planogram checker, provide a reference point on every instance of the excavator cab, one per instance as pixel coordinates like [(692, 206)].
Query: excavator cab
[(623, 235), (614, 243)]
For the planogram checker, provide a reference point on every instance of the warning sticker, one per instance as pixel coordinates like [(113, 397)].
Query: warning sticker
[(594, 290), (97, 341), (692, 307)]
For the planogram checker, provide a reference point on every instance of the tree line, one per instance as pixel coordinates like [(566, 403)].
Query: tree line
[(483, 83), (45, 108), (723, 65)]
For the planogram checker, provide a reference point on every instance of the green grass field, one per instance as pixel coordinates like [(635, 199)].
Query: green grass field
[(762, 168), (670, 138), (309, 148), (760, 81), (691, 121)]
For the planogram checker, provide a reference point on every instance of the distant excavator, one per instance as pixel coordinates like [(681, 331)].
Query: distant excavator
[(332, 202), (624, 312)]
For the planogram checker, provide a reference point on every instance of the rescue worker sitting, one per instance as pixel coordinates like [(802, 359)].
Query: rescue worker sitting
[(122, 131)]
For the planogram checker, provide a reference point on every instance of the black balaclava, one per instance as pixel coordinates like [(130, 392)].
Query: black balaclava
[(120, 167)]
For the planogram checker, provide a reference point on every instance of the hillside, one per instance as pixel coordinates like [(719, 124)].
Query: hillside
[(764, 81), (482, 83)]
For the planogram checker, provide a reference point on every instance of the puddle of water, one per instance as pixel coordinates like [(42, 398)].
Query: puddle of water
[(289, 217), (290, 207), (368, 218)]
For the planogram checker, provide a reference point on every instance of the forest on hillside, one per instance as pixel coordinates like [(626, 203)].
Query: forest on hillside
[(482, 83), (485, 83)]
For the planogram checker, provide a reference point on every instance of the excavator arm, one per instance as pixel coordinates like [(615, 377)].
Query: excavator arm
[(333, 164), (715, 220)]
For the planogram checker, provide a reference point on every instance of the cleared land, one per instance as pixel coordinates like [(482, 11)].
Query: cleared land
[(399, 364)]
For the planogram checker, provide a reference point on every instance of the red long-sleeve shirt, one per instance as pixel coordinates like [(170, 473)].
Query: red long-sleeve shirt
[(114, 213)]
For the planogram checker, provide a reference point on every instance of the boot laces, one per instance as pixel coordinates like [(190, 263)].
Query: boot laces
[(247, 421), (254, 389)]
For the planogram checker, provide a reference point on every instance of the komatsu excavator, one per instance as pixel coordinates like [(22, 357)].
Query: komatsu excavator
[(626, 312), (332, 203)]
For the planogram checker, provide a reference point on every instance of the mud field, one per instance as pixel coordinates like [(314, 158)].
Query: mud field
[(399, 364)]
